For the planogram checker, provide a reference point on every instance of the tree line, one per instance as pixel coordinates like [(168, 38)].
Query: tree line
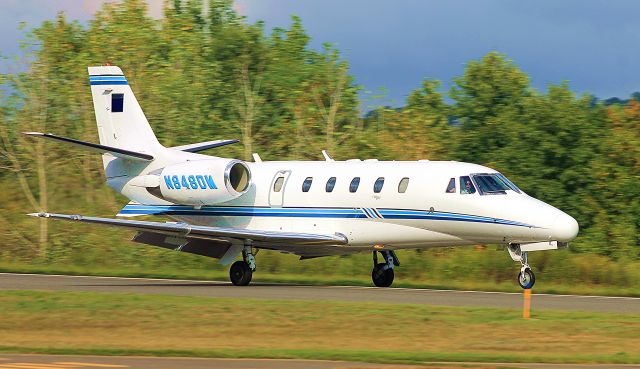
[(201, 72)]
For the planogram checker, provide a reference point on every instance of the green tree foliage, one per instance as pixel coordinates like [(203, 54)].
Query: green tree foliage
[(201, 73)]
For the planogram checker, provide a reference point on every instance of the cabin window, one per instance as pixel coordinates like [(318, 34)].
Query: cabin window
[(451, 188), (355, 182), (277, 185), (306, 185), (331, 183), (117, 103), (402, 186), (466, 186), (377, 187)]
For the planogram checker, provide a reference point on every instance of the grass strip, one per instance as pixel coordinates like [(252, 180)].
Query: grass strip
[(155, 325), (382, 357)]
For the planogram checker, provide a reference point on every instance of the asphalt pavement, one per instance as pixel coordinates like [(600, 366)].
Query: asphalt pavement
[(9, 281)]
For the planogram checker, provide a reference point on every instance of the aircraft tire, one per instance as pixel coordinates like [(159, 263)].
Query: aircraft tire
[(527, 280), (240, 273), (382, 277)]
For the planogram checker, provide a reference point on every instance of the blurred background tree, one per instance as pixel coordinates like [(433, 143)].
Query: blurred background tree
[(201, 73)]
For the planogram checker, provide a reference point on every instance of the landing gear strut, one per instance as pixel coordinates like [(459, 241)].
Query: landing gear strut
[(526, 278), (382, 273), (241, 271)]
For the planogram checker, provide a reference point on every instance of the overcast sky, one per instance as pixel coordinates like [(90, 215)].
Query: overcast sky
[(593, 44)]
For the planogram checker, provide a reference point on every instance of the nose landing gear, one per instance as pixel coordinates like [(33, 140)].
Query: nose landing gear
[(382, 273), (526, 278)]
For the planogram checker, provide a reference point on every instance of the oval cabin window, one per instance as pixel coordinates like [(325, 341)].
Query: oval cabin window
[(277, 185), (451, 187), (331, 183), (402, 186), (353, 187), (306, 185), (377, 187)]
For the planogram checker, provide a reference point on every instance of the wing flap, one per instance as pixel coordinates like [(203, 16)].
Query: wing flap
[(121, 153), (204, 232)]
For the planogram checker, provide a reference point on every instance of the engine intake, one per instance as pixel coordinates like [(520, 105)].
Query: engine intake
[(237, 176)]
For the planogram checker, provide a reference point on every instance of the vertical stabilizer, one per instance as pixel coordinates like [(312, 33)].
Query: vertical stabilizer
[(121, 122)]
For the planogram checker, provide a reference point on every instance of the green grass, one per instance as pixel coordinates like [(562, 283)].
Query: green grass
[(123, 324), (314, 278), (384, 357)]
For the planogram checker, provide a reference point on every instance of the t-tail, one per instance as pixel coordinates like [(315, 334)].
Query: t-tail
[(121, 121), (122, 127), (124, 132)]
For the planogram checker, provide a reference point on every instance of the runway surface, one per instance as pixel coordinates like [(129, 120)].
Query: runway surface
[(9, 281), (101, 362)]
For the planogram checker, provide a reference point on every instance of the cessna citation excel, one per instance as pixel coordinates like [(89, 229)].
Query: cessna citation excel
[(223, 208)]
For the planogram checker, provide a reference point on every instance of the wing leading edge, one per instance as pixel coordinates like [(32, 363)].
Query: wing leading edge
[(207, 233)]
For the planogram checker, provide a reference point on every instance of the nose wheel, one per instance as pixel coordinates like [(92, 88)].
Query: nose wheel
[(526, 278)]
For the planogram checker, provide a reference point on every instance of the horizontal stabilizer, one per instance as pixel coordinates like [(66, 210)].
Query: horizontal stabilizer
[(200, 146), (121, 153), (207, 233)]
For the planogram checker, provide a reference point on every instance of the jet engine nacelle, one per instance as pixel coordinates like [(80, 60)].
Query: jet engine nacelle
[(204, 182)]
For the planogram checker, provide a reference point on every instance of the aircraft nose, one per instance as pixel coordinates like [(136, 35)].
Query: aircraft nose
[(565, 228)]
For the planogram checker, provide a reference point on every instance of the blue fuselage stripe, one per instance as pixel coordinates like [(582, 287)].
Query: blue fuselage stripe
[(347, 213)]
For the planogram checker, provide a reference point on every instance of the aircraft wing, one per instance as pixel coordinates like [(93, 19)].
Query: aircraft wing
[(189, 231)]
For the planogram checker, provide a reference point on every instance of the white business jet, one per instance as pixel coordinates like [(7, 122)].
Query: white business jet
[(224, 208)]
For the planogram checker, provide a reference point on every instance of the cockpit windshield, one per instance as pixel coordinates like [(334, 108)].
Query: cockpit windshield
[(494, 183)]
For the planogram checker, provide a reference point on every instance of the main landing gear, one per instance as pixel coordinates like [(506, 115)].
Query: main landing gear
[(242, 270), (526, 278), (382, 273)]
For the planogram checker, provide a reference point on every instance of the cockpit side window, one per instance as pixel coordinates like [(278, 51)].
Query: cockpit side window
[(509, 183), (493, 184), (451, 188), (466, 186)]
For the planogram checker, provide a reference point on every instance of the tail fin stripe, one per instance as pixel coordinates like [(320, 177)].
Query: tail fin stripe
[(107, 76), (108, 80), (108, 83)]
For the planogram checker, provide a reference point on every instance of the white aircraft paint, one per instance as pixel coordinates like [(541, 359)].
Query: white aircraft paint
[(304, 207)]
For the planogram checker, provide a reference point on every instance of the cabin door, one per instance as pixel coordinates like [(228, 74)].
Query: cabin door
[(276, 191)]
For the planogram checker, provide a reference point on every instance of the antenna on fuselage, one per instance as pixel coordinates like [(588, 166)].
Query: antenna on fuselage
[(256, 157), (327, 157)]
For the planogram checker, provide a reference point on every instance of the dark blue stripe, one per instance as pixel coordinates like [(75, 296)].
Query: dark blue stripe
[(246, 214), (109, 83), (313, 213)]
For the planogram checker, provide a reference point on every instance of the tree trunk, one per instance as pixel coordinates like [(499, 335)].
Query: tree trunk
[(247, 108), (43, 197)]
